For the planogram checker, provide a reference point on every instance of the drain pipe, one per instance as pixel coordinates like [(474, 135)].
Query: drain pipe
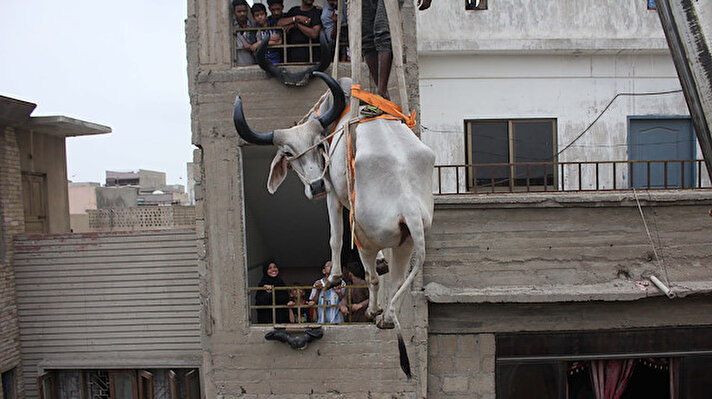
[(667, 291)]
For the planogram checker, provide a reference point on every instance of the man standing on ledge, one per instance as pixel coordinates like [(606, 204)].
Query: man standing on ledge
[(376, 41)]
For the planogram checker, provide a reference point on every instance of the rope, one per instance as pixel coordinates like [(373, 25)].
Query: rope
[(314, 108), (661, 266)]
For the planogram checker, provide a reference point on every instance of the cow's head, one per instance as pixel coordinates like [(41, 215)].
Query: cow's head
[(300, 146)]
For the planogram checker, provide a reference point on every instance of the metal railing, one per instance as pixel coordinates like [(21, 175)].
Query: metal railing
[(570, 176), (285, 46), (299, 305)]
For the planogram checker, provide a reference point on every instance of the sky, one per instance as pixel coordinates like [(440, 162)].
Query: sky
[(120, 64)]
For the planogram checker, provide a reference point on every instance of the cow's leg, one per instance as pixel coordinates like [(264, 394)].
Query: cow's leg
[(336, 225), (368, 258), (398, 268), (414, 262)]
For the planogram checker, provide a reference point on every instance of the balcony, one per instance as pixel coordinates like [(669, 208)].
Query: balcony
[(570, 176)]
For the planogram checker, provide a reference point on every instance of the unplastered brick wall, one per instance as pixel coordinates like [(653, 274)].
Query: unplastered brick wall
[(11, 222), (461, 366)]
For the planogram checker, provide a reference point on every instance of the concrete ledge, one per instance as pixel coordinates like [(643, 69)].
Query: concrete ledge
[(126, 362), (564, 199), (576, 46), (64, 126), (619, 290)]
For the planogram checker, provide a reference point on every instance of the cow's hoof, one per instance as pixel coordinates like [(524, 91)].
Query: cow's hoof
[(333, 281), (374, 314), (383, 324)]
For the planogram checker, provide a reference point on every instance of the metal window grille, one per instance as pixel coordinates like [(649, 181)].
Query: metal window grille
[(343, 44), (298, 307)]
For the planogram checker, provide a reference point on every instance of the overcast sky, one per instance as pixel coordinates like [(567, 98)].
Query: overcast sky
[(121, 64)]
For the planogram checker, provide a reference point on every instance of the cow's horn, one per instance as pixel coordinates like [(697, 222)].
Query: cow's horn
[(267, 66), (244, 130), (294, 78), (338, 97)]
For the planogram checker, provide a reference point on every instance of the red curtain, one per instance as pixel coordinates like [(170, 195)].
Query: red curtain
[(610, 377)]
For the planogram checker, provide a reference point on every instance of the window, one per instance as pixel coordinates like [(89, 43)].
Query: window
[(8, 384), (662, 152), (475, 4), (505, 154), (120, 384), (657, 363)]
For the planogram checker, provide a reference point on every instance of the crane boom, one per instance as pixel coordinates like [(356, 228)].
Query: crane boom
[(688, 29)]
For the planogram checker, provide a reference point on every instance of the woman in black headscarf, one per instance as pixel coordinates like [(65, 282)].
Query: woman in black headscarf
[(270, 279)]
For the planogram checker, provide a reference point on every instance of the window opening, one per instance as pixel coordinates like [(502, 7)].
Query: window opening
[(145, 385), (8, 384), (508, 155), (120, 384), (47, 386), (192, 385), (656, 363), (292, 48), (292, 232)]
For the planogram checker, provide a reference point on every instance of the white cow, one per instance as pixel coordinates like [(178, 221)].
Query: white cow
[(393, 197)]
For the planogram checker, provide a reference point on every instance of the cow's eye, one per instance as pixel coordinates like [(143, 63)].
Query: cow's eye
[(288, 154)]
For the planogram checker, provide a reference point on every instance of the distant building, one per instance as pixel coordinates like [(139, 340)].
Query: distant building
[(82, 197), (130, 201), (142, 178)]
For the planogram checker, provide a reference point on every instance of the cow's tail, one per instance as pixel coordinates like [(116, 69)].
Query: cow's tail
[(415, 225)]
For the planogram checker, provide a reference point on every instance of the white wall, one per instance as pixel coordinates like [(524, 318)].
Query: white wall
[(571, 89), (539, 25), (564, 60)]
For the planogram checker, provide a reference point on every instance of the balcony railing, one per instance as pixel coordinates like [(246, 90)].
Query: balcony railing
[(343, 47), (570, 176), (299, 306)]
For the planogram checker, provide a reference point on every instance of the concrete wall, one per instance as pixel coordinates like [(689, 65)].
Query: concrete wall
[(107, 301), (116, 197), (568, 245), (45, 154), (540, 26), (516, 263), (82, 196), (11, 222), (150, 178)]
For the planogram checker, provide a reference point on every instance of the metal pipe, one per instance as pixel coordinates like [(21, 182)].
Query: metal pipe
[(667, 291)]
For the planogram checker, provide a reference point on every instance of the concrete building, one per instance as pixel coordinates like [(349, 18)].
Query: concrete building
[(33, 199), (125, 204), (523, 293), (142, 178)]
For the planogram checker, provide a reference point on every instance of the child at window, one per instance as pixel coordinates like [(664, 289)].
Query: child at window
[(325, 297), (259, 13)]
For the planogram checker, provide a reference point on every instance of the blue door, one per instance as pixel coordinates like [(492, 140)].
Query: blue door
[(661, 139)]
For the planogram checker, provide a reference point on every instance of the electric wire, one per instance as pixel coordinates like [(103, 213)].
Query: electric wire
[(588, 128)]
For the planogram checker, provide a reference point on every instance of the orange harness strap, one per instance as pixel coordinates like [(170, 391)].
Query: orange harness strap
[(391, 109)]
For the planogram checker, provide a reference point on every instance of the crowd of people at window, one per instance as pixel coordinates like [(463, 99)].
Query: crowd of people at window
[(302, 24), (345, 303)]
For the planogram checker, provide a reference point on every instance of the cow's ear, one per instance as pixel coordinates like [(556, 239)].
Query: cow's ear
[(277, 172)]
